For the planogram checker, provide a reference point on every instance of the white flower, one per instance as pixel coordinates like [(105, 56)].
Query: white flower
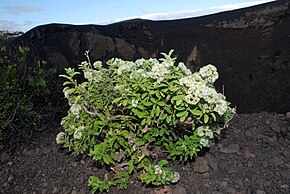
[(98, 64), (176, 177), (209, 73), (75, 109), (60, 137), (158, 71), (190, 99), (184, 68), (209, 134), (134, 103), (66, 92), (62, 122), (88, 75), (221, 107), (204, 142), (84, 63), (158, 170), (79, 132), (200, 131)]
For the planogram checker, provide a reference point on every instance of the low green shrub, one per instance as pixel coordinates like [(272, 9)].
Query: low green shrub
[(131, 114), (20, 85)]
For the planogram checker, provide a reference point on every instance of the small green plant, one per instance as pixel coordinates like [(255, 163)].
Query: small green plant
[(131, 114), (23, 90), (17, 116)]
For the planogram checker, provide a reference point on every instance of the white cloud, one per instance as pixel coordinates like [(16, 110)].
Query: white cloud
[(12, 26), (18, 10), (188, 13), (4, 25)]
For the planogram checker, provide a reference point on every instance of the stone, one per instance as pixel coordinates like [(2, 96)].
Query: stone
[(231, 191), (285, 186), (231, 149), (5, 157), (200, 165), (74, 164), (276, 161), (223, 185), (46, 150), (211, 161), (55, 190), (10, 178), (74, 192), (260, 192), (287, 117), (247, 153), (275, 127), (179, 190), (232, 169)]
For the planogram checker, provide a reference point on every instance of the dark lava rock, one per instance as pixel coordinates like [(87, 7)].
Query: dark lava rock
[(250, 48)]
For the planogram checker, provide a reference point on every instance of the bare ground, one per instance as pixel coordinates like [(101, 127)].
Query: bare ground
[(251, 157)]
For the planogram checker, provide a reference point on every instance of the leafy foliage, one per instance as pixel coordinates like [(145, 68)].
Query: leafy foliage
[(19, 86), (128, 114)]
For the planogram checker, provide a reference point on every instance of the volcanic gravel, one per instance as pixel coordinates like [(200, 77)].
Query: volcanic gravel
[(252, 156)]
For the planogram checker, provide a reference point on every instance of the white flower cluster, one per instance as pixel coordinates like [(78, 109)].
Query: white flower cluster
[(125, 66), (204, 131), (67, 95), (173, 178), (204, 142), (134, 103), (60, 137), (157, 169), (200, 87), (98, 65), (79, 132), (209, 73), (184, 69), (159, 70), (75, 109), (93, 75)]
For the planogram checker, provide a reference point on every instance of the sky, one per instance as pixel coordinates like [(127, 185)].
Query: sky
[(23, 15)]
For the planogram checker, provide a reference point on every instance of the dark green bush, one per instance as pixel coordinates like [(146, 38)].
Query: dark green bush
[(24, 88)]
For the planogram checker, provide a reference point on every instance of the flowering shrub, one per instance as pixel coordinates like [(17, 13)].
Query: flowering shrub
[(128, 114)]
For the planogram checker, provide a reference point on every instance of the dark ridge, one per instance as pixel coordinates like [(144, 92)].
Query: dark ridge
[(249, 46)]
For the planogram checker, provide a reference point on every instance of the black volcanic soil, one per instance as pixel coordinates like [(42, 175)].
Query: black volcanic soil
[(251, 157)]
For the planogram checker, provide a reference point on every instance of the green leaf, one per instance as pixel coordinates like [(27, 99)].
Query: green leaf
[(162, 163), (117, 100), (144, 95), (205, 118), (146, 103), (161, 103), (143, 122), (141, 114), (125, 102), (178, 102), (195, 112), (168, 119), (157, 111), (149, 120), (182, 119), (181, 114), (178, 97), (153, 100), (163, 116), (107, 159), (140, 143), (168, 110), (131, 166), (213, 116), (127, 134)]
